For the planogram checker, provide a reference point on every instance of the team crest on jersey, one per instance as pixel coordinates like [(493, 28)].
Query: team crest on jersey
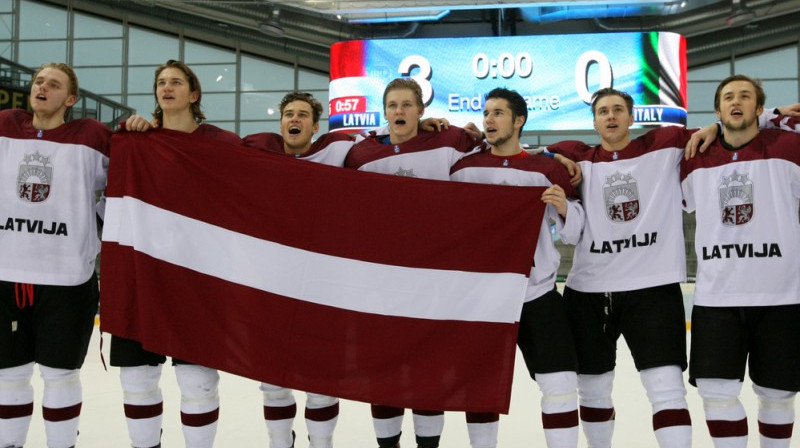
[(407, 173), (35, 177), (622, 197), (736, 199)]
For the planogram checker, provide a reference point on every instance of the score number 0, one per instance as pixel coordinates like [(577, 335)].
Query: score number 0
[(582, 71)]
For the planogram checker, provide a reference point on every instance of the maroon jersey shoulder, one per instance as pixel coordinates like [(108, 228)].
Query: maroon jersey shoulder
[(18, 123), (768, 144), (665, 137), (265, 141), (14, 122), (208, 131), (573, 149), (91, 133)]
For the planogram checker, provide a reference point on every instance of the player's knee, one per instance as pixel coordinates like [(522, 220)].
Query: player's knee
[(197, 382), (317, 401), (141, 382), (594, 387), (718, 392), (276, 395), (558, 384), (59, 378), (140, 378), (14, 375), (15, 384), (769, 398), (664, 384)]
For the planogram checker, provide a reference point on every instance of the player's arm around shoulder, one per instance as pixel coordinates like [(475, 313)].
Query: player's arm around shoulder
[(699, 140), (786, 118), (571, 149)]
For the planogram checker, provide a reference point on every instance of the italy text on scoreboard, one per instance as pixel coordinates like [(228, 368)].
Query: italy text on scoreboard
[(556, 74)]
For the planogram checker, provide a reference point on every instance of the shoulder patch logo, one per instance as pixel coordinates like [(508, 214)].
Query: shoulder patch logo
[(403, 172), (621, 195), (34, 178), (736, 199)]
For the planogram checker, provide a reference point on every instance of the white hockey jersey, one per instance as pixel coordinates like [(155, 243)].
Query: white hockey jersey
[(633, 232), (48, 180), (747, 205)]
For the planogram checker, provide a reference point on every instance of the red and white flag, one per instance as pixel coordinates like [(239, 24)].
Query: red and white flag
[(384, 289)]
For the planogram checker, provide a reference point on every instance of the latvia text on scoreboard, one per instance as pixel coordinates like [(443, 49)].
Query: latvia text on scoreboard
[(556, 75)]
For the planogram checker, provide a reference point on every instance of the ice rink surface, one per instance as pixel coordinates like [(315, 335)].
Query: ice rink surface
[(242, 425)]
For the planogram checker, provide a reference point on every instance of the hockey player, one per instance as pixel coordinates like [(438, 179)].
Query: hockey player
[(545, 338), (627, 268), (300, 114), (48, 288), (745, 192), (178, 110), (405, 151)]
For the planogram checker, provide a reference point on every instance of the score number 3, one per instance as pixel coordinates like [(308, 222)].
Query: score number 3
[(422, 77)]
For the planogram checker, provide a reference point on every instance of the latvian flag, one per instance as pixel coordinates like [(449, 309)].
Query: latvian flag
[(384, 289)]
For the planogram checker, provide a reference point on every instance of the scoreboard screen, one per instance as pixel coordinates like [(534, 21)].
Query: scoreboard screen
[(556, 74)]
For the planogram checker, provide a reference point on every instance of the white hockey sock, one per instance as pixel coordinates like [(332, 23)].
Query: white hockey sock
[(199, 404), (667, 394), (559, 408), (61, 405), (388, 423), (16, 404), (725, 416), (279, 411), (322, 413), (482, 428), (428, 426), (596, 408), (775, 416), (144, 404)]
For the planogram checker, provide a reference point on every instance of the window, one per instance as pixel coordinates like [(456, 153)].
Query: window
[(196, 52), (88, 26), (258, 74), (217, 77), (6, 26), (141, 79), (219, 106), (261, 105), (100, 80), (38, 21), (147, 47), (97, 52), (780, 63), (34, 54)]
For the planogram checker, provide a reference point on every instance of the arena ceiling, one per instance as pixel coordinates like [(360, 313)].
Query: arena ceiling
[(301, 31)]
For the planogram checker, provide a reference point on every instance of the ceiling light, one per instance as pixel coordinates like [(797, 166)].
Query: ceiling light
[(740, 14), (272, 26)]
